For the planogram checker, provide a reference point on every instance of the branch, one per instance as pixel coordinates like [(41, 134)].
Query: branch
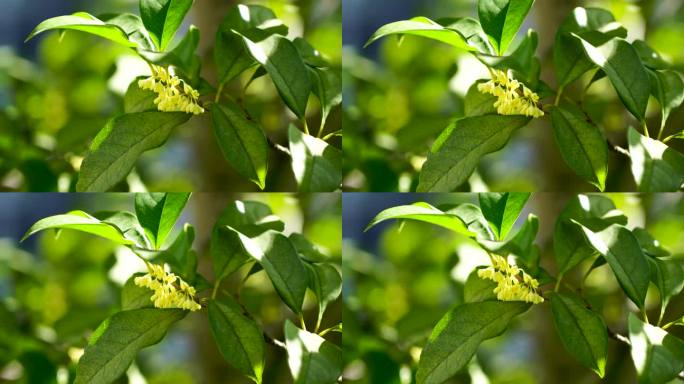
[(617, 149), (618, 337), (278, 147)]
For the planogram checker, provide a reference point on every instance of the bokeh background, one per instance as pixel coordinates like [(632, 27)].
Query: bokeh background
[(55, 95), (397, 99), (55, 291), (399, 283)]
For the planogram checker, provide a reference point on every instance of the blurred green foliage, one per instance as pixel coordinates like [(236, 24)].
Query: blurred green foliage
[(395, 294)]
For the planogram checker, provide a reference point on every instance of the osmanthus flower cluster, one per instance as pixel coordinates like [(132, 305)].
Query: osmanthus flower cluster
[(513, 284), (174, 94), (170, 291), (514, 98)]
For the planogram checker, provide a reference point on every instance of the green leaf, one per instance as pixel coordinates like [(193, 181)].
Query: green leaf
[(649, 57), (569, 58), (477, 289), (317, 166), (458, 150), (520, 245), (581, 330), (79, 221), (238, 337), (422, 212), (668, 276), (158, 213), (116, 148), (114, 344), (621, 63), (502, 210), (254, 21), (312, 359), (475, 221), (655, 166), (132, 26), (423, 27), (133, 296), (308, 250), (162, 18), (274, 252), (477, 103), (622, 251), (668, 88), (595, 212), (179, 255), (326, 283), (328, 90), (250, 218), (658, 355), (127, 223), (182, 57), (84, 22), (581, 144), (650, 245), (137, 99), (242, 142), (501, 20), (456, 337), (523, 60), (285, 66)]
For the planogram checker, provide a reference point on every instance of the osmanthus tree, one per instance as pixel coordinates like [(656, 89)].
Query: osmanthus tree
[(589, 227), (250, 38), (246, 233), (589, 40)]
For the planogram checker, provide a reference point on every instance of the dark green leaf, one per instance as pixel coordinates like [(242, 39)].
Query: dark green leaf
[(127, 224), (113, 346), (238, 337), (312, 359), (581, 330), (179, 255), (668, 276), (254, 21), (162, 18), (622, 251), (458, 150), (183, 56), (649, 245), (84, 22), (133, 296), (242, 142), (424, 27), (422, 212), (116, 148), (326, 283), (476, 289), (472, 216), (523, 60), (655, 166), (502, 210), (658, 355), (138, 99), (501, 20), (307, 249), (328, 90), (569, 58), (477, 103), (250, 218), (317, 166), (648, 56), (593, 211), (311, 55), (279, 259), (621, 63), (668, 88), (283, 63), (456, 337), (158, 213), (520, 245), (581, 144), (79, 221)]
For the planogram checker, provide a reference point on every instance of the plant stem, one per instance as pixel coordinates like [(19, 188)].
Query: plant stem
[(645, 128), (219, 91), (558, 282), (306, 127), (216, 286), (558, 95), (643, 313), (331, 134), (301, 321), (618, 337)]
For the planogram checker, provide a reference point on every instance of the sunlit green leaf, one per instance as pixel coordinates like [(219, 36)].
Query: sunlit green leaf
[(422, 212), (80, 221), (316, 164), (158, 213), (657, 355), (655, 166), (501, 20), (312, 359), (162, 18), (502, 210), (84, 22), (424, 27)]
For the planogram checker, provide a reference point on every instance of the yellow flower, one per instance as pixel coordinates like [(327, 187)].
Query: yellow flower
[(171, 97), (513, 97), (168, 294), (509, 286)]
